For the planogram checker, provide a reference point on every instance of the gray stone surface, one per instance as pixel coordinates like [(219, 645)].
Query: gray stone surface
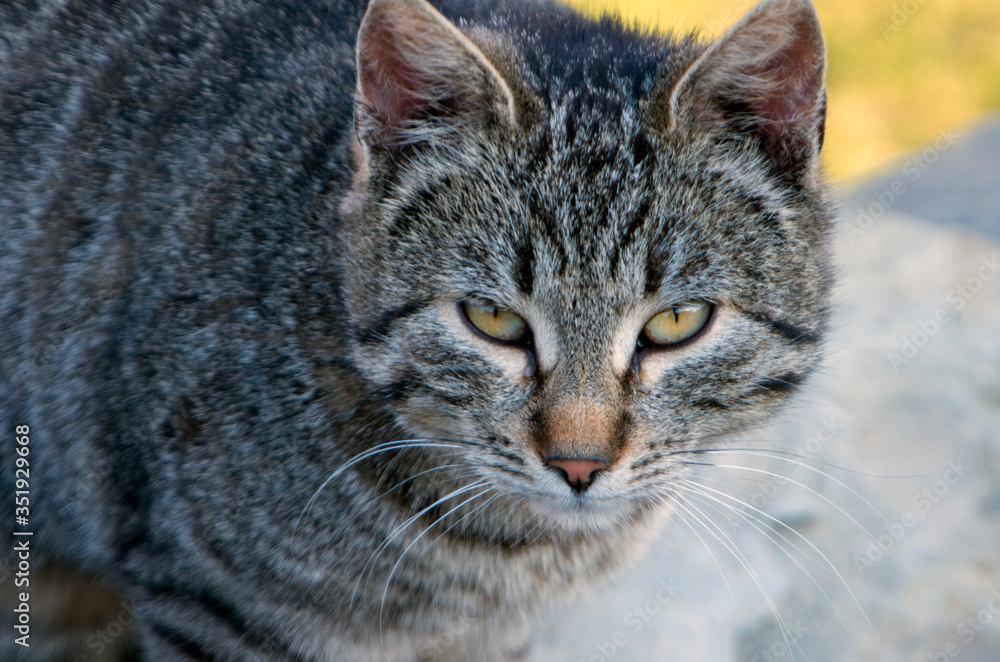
[(903, 452)]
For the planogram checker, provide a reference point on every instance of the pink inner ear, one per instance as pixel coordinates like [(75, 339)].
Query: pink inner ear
[(389, 82), (419, 78), (790, 96)]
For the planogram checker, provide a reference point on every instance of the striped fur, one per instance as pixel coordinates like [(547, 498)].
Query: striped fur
[(231, 265)]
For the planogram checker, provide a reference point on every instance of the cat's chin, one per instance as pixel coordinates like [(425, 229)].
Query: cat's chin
[(574, 516)]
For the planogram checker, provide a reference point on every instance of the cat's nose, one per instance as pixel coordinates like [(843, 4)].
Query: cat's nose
[(578, 473)]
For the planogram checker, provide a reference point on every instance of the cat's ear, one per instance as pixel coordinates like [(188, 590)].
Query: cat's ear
[(764, 76), (418, 74)]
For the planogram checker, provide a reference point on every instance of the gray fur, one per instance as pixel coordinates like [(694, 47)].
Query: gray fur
[(213, 296)]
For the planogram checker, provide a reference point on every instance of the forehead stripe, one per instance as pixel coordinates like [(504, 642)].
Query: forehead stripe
[(376, 333), (637, 222), (524, 270)]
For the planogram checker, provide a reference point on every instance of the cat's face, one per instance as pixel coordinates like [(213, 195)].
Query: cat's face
[(586, 288)]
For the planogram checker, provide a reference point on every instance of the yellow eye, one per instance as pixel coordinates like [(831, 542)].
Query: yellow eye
[(494, 321), (677, 323)]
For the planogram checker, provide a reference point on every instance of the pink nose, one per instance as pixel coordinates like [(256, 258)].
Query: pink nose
[(578, 473)]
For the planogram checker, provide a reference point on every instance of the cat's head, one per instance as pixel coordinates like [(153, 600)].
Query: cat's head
[(585, 258)]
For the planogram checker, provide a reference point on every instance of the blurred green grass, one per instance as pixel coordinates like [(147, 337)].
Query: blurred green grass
[(900, 72)]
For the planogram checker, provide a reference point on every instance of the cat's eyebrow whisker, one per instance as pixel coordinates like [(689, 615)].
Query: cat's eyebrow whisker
[(395, 532), (825, 565), (734, 550), (385, 592), (376, 450)]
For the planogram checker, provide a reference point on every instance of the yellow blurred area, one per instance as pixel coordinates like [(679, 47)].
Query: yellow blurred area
[(900, 72)]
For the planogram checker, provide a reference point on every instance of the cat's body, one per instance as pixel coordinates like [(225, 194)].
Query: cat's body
[(213, 296)]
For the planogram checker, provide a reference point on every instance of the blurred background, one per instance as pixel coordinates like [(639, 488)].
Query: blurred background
[(900, 71)]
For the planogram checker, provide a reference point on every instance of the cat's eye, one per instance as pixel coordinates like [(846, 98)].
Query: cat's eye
[(495, 321), (676, 324)]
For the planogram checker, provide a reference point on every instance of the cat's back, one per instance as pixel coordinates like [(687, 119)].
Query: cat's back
[(160, 164), (83, 81)]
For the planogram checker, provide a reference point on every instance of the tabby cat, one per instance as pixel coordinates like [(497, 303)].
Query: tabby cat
[(370, 333)]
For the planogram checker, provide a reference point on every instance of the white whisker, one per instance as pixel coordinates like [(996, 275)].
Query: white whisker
[(440, 519), (810, 489), (718, 566), (417, 475), (385, 543), (779, 454), (763, 527), (734, 550), (371, 452)]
